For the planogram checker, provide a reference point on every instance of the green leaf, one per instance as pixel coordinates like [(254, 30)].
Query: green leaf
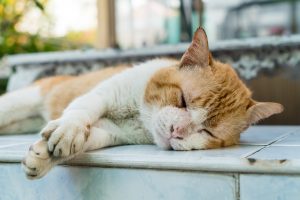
[(39, 5)]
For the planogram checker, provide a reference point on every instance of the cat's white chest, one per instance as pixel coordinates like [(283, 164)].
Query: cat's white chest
[(133, 131)]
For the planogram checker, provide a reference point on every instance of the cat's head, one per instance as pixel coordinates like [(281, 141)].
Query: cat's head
[(201, 103)]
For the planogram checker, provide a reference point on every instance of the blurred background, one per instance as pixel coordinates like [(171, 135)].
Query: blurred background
[(28, 26), (51, 25)]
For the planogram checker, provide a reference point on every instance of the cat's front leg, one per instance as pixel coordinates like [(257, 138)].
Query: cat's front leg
[(67, 135), (38, 160), (62, 140)]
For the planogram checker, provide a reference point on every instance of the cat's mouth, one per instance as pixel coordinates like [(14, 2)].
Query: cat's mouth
[(191, 140)]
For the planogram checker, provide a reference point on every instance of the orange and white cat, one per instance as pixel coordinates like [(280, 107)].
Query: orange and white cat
[(194, 103)]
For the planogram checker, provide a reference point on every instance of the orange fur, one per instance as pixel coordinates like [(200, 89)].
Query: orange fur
[(217, 89), (164, 89), (211, 85), (47, 84)]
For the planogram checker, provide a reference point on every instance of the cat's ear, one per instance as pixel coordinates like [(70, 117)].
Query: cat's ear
[(198, 53), (261, 110)]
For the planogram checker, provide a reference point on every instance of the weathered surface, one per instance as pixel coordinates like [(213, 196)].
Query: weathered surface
[(252, 170)]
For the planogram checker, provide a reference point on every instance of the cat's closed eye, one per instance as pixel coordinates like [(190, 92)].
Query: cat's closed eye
[(207, 132), (183, 102)]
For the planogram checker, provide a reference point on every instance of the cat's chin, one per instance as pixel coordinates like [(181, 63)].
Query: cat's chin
[(163, 143), (171, 145)]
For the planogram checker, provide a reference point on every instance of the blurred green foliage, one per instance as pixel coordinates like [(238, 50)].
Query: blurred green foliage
[(3, 84), (13, 41)]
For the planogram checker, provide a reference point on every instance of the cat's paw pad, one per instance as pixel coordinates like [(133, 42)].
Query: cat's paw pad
[(38, 160), (65, 137)]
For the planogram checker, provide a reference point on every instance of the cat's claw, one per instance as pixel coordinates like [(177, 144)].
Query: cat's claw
[(65, 137)]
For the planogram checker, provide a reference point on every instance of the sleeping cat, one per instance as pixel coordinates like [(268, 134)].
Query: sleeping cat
[(194, 103)]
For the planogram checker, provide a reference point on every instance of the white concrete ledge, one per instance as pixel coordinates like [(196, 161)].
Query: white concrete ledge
[(251, 156)]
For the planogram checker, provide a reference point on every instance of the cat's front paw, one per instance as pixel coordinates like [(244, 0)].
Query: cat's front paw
[(65, 136), (38, 161)]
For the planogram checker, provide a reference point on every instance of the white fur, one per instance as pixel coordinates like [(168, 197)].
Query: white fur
[(28, 125), (198, 115), (118, 98), (186, 124), (19, 105)]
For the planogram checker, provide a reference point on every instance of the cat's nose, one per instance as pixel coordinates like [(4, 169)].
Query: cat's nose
[(177, 132)]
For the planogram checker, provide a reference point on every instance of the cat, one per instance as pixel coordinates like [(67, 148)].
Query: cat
[(190, 104)]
